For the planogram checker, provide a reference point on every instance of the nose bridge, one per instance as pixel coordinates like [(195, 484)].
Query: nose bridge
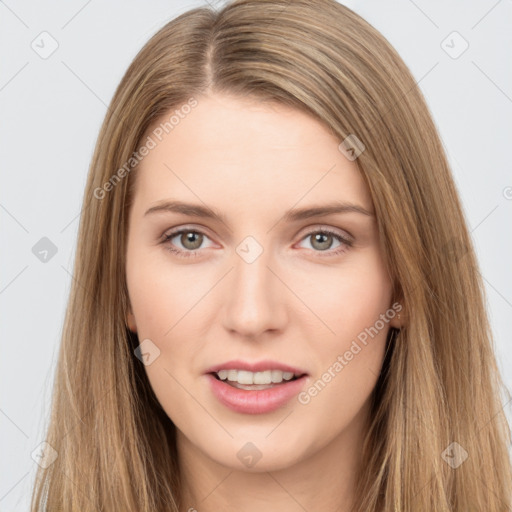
[(254, 302)]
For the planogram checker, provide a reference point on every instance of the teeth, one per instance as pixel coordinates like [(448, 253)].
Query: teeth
[(276, 375), (262, 377), (247, 378)]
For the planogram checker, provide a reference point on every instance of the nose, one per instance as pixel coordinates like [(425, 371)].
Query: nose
[(255, 297)]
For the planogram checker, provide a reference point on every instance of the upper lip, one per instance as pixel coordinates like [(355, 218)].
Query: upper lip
[(256, 366)]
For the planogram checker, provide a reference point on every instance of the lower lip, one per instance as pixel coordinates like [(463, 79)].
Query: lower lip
[(257, 401)]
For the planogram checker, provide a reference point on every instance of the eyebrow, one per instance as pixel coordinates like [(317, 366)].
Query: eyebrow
[(292, 215)]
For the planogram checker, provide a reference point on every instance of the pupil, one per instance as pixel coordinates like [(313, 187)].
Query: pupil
[(189, 238), (318, 238)]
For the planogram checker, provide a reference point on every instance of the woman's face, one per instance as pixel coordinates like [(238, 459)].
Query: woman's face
[(260, 288)]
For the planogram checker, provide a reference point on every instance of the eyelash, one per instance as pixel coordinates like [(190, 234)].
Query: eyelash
[(346, 243)]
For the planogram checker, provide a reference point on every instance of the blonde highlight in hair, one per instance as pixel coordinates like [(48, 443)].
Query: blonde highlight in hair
[(440, 383)]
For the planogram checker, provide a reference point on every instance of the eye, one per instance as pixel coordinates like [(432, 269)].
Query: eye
[(322, 240), (190, 239)]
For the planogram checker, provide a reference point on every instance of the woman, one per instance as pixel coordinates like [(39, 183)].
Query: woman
[(276, 300)]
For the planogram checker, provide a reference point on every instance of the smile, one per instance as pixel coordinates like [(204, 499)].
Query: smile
[(246, 377), (255, 398)]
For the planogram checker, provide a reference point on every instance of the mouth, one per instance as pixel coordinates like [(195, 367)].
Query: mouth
[(247, 392), (254, 381)]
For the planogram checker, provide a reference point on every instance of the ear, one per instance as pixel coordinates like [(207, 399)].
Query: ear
[(400, 318), (130, 320), (397, 306)]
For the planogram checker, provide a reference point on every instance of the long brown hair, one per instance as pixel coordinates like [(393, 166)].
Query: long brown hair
[(437, 438)]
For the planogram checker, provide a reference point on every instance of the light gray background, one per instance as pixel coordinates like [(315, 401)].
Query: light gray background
[(51, 113)]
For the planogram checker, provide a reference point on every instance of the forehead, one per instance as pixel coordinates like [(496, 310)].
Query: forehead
[(247, 152)]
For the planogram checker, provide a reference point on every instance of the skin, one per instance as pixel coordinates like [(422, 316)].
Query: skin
[(297, 303)]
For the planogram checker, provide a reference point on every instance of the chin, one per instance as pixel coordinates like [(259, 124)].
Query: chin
[(258, 452)]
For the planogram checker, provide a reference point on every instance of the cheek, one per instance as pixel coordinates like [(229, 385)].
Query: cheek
[(160, 298), (166, 302), (349, 355), (160, 294), (352, 299)]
